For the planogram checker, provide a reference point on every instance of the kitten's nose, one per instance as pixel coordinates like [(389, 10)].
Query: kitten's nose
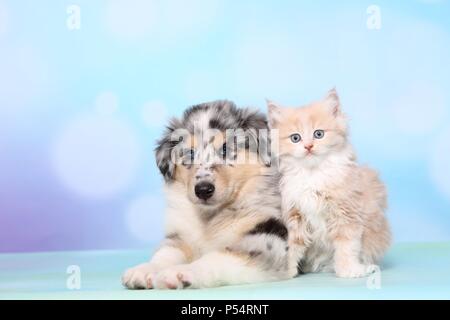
[(309, 146)]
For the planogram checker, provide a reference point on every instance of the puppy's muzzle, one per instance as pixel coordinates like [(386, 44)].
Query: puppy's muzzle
[(204, 190)]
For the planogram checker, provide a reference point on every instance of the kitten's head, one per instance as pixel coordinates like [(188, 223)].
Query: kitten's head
[(310, 132)]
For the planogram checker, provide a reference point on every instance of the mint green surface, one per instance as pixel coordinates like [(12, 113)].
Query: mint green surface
[(420, 271)]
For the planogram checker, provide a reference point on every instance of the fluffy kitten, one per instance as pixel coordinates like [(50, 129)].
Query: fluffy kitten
[(334, 207)]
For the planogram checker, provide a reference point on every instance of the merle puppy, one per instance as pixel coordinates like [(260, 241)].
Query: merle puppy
[(223, 218)]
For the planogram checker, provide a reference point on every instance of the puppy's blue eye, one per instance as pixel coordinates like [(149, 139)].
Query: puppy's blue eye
[(190, 154), (224, 149), (318, 134), (296, 138), (187, 157)]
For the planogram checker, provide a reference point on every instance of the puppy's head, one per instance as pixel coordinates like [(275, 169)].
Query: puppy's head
[(213, 150)]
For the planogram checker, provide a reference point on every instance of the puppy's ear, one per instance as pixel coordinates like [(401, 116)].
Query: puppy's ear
[(165, 151), (256, 127), (332, 102), (273, 112)]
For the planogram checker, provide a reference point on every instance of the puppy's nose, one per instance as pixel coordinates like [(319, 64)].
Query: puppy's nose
[(204, 190)]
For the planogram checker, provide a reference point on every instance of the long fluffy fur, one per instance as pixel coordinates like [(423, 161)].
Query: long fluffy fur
[(334, 208)]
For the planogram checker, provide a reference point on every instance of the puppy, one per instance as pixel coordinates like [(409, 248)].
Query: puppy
[(223, 217)]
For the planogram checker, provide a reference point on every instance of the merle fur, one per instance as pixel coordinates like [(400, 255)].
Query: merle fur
[(271, 226), (224, 115)]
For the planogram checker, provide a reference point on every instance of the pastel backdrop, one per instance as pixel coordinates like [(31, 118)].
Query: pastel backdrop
[(86, 88)]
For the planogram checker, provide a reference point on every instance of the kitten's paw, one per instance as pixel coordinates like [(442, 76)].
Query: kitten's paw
[(139, 277), (355, 270), (176, 277)]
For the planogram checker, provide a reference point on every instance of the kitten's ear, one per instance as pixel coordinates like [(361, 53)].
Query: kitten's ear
[(332, 101), (274, 113)]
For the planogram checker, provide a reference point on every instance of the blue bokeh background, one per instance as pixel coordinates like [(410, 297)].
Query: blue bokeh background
[(80, 109)]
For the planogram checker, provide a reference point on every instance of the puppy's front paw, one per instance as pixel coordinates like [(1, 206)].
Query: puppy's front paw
[(139, 277), (176, 277), (355, 270)]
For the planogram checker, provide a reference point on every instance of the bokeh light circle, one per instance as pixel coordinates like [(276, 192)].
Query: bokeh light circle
[(96, 156), (144, 218)]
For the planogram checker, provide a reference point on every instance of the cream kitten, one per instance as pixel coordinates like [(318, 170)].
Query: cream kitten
[(334, 207)]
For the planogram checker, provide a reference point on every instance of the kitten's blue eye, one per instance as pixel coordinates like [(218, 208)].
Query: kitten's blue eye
[(296, 138), (318, 134)]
